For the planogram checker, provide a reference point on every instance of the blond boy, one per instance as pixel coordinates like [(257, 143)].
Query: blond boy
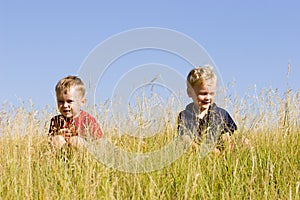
[(73, 125), (202, 120)]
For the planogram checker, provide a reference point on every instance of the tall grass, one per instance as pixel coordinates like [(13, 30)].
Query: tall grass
[(268, 168)]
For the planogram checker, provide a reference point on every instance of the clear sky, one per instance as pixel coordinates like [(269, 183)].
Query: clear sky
[(251, 42)]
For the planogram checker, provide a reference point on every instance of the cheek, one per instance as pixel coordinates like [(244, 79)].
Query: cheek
[(77, 105), (200, 97)]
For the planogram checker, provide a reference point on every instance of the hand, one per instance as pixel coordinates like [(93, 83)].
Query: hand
[(246, 141), (228, 141), (66, 133)]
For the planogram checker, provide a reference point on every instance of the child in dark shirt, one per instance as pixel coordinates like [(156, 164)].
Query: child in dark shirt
[(202, 120)]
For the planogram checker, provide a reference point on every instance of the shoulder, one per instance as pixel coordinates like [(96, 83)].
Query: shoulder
[(224, 116), (58, 118), (188, 112), (85, 116), (216, 109), (83, 113), (56, 122)]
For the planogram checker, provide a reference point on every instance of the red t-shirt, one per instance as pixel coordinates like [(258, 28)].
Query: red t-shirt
[(82, 125)]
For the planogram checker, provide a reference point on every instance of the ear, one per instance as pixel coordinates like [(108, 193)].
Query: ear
[(83, 101), (189, 91)]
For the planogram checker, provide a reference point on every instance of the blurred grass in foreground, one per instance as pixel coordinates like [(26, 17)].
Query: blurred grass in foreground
[(269, 168)]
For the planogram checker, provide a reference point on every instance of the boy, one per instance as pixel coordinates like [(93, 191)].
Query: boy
[(73, 125), (203, 120)]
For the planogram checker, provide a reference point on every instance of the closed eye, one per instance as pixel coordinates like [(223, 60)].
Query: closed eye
[(68, 101), (203, 93)]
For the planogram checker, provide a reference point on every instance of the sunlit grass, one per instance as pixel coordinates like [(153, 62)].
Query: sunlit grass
[(268, 168)]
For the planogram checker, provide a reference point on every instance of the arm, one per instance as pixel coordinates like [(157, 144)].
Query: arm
[(88, 126)]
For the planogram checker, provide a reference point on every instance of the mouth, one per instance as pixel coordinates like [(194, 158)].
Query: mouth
[(67, 112), (204, 103)]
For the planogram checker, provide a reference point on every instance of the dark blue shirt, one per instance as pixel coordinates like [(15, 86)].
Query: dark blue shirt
[(216, 122)]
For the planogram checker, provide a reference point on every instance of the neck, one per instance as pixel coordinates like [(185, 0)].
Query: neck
[(200, 113), (77, 114)]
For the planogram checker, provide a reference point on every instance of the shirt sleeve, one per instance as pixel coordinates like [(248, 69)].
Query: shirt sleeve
[(56, 123), (230, 125), (88, 126), (95, 128)]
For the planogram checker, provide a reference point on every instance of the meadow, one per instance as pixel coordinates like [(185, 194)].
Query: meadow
[(267, 168)]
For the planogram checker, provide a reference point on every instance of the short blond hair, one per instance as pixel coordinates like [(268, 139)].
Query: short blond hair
[(201, 76), (65, 84)]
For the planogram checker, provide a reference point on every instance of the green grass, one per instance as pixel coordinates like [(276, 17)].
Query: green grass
[(269, 168)]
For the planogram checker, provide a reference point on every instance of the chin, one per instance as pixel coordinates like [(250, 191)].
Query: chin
[(68, 115), (206, 106)]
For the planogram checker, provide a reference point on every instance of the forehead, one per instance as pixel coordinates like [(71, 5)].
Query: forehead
[(205, 87), (68, 93)]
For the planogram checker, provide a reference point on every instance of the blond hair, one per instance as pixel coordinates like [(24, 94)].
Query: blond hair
[(65, 84), (201, 76)]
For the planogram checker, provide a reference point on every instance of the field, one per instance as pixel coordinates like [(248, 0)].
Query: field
[(267, 168)]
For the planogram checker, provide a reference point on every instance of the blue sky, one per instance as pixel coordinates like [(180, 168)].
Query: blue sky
[(251, 42)]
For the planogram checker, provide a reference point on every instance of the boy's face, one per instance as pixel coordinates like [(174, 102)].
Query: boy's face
[(202, 95), (70, 103)]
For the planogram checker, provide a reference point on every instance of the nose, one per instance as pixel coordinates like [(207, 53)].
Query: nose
[(208, 96), (65, 104), (205, 97)]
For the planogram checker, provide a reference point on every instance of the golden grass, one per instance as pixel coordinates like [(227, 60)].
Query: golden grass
[(269, 168)]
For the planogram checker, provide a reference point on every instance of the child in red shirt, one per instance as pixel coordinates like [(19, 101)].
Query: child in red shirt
[(72, 126)]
